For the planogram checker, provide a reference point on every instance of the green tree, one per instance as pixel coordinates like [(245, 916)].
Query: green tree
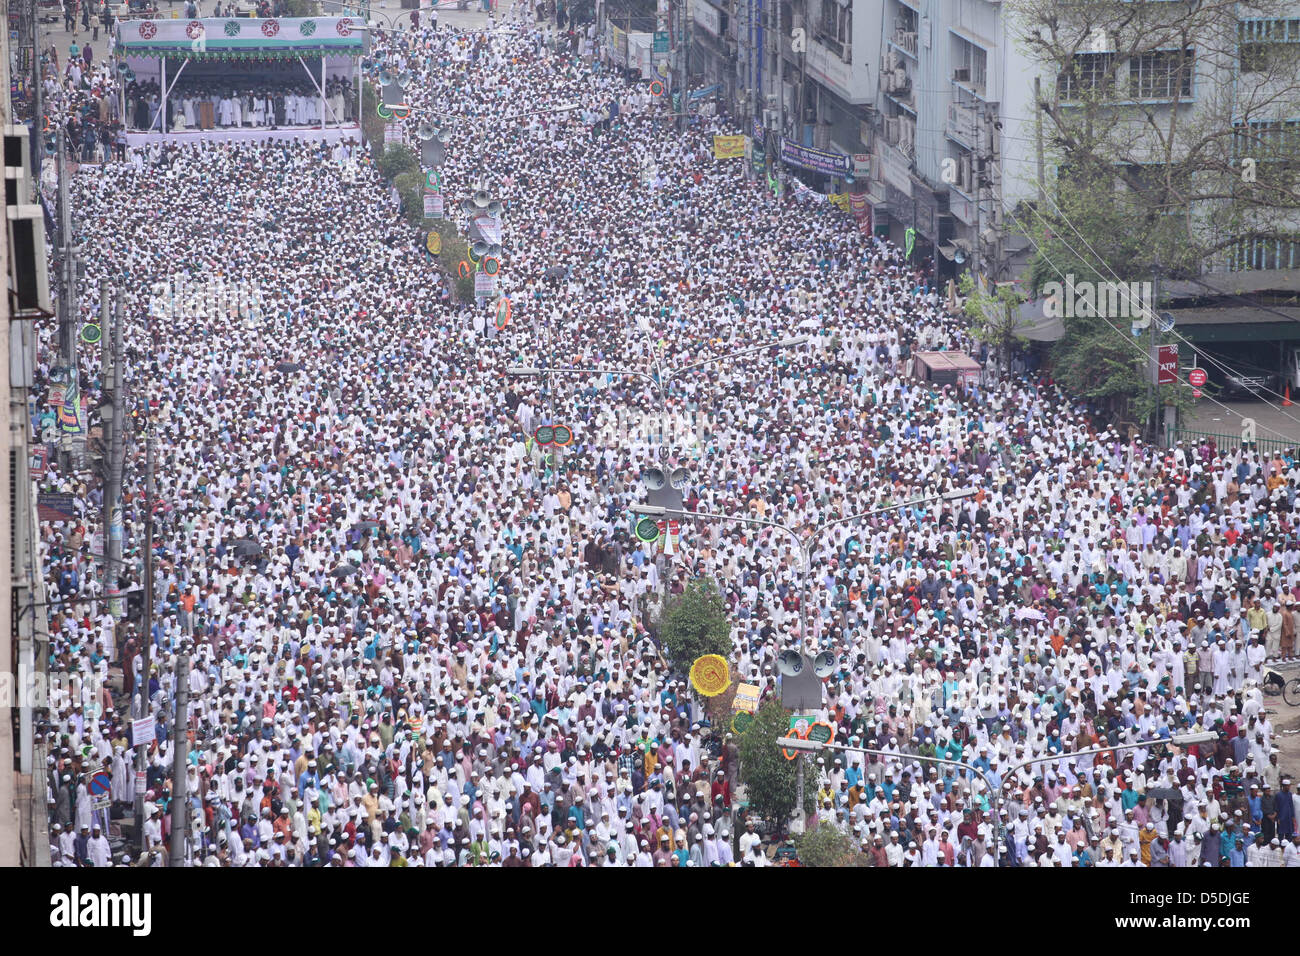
[(770, 779), (455, 250), (993, 314), (397, 158), (825, 845), (695, 623), (1155, 163), (372, 124)]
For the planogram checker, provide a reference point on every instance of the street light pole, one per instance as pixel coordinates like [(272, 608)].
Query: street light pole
[(805, 544), (798, 743), (996, 793), (180, 757)]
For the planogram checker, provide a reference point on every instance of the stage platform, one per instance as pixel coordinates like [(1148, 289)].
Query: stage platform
[(260, 134)]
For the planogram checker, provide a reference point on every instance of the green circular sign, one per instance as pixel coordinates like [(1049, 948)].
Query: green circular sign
[(562, 435), (820, 733), (544, 435), (91, 334), (647, 529), (741, 721)]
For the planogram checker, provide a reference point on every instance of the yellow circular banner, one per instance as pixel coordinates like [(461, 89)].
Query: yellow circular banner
[(709, 675), (433, 243)]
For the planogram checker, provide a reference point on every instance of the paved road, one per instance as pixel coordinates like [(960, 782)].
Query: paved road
[(1271, 419)]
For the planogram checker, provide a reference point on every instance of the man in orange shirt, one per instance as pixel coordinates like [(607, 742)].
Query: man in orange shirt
[(188, 601)]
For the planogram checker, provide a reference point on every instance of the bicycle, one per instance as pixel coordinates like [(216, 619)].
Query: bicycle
[(1274, 684)]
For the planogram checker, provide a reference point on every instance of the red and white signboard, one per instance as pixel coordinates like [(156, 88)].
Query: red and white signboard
[(1167, 361), (1197, 377)]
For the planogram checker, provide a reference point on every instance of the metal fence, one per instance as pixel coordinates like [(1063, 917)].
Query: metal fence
[(1228, 442)]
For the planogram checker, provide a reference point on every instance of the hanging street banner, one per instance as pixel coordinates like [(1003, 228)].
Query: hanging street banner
[(484, 284), (1166, 365), (490, 228), (819, 160), (56, 508), (433, 208), (728, 147), (746, 699), (143, 731)]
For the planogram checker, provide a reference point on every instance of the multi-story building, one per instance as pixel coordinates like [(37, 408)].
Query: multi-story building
[(22, 241)]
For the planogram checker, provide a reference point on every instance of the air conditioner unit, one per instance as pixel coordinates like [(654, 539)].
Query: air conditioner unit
[(891, 130), (961, 75), (965, 172), (887, 81), (770, 119), (810, 116), (892, 61), (900, 80)]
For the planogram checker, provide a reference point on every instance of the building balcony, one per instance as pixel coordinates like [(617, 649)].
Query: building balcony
[(905, 42), (961, 125)]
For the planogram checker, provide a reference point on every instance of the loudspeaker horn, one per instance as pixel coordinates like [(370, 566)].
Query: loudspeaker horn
[(467, 206), (482, 199), (824, 664), (444, 134), (494, 208), (425, 131), (386, 77), (494, 249), (480, 248), (790, 664), (680, 478), (654, 478)]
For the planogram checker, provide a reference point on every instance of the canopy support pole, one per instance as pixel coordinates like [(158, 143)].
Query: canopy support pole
[(325, 106), (161, 119)]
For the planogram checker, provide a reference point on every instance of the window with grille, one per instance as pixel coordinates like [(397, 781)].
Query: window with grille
[(1267, 140), (835, 28), (1259, 41), (975, 61), (1265, 252), (1089, 71), (1161, 75)]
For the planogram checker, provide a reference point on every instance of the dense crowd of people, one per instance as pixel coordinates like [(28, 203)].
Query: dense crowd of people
[(414, 640)]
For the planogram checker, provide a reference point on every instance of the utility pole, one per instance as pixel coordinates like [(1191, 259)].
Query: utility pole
[(779, 77), (1153, 361), (147, 629), (67, 306), (67, 291), (116, 454), (1038, 134), (977, 163), (180, 757)]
